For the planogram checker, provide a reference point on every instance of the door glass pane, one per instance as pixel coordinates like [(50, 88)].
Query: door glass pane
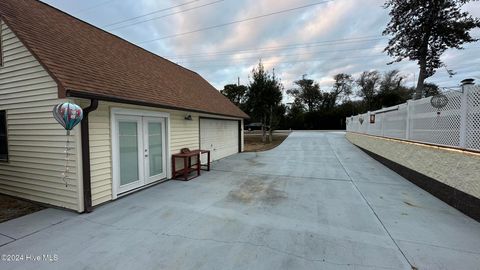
[(128, 141), (155, 148)]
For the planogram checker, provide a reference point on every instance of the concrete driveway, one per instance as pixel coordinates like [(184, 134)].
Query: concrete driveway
[(314, 202)]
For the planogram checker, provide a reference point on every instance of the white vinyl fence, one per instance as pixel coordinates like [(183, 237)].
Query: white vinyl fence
[(457, 124)]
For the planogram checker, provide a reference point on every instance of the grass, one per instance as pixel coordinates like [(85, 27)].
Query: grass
[(11, 208), (253, 142)]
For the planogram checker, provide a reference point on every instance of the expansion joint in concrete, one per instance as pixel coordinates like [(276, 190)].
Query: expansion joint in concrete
[(371, 208)]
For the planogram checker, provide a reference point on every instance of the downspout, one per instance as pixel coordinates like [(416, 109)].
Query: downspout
[(87, 187)]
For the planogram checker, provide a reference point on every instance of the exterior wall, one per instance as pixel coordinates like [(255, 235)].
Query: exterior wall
[(183, 133), (458, 169), (36, 142)]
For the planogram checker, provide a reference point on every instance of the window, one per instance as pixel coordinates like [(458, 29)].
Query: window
[(3, 136)]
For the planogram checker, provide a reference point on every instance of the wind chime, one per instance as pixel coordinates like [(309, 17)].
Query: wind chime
[(68, 115)]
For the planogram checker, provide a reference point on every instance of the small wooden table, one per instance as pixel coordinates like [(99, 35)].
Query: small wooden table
[(187, 164), (208, 160)]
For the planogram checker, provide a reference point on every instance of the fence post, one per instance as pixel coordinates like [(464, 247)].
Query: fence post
[(383, 123), (463, 116), (407, 131), (366, 120)]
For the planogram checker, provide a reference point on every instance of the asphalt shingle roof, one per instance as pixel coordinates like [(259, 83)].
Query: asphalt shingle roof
[(85, 60)]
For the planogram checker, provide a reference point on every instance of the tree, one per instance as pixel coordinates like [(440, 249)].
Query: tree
[(263, 96), (342, 86), (422, 30), (295, 115), (368, 87), (391, 90), (431, 89), (235, 93), (391, 81), (274, 91), (307, 93)]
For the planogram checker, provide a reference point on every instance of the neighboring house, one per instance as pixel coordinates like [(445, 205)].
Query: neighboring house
[(139, 109)]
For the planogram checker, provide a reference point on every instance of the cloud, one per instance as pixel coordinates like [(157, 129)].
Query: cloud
[(290, 42)]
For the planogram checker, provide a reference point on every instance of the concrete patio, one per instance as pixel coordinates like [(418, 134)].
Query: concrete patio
[(314, 202)]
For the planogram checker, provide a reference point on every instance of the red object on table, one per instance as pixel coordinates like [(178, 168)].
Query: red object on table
[(187, 164)]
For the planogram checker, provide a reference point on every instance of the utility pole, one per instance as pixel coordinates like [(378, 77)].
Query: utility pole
[(238, 82)]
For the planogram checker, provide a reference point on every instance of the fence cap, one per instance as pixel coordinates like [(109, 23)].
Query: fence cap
[(468, 81)]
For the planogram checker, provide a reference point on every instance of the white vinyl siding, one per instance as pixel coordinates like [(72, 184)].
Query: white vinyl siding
[(183, 133), (100, 155), (36, 142)]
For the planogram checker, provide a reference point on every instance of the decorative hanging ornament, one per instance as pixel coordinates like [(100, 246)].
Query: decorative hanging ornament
[(438, 102), (68, 115)]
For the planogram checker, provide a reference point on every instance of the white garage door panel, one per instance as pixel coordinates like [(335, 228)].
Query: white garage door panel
[(219, 136)]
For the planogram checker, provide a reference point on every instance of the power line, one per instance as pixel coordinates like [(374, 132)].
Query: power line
[(147, 14), (94, 6), (166, 15), (295, 61), (283, 47), (298, 61), (235, 22), (283, 55)]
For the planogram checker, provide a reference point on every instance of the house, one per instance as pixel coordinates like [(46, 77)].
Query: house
[(139, 109)]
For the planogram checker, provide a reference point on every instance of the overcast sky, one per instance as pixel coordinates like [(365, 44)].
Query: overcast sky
[(316, 38)]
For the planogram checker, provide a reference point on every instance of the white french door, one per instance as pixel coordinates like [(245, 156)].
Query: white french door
[(155, 162), (139, 151)]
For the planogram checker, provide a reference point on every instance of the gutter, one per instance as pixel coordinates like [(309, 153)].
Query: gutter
[(85, 141), (80, 94)]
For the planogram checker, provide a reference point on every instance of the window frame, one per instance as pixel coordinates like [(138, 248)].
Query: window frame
[(3, 118), (1, 42)]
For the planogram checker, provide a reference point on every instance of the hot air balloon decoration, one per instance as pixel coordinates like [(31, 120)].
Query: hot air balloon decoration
[(68, 115)]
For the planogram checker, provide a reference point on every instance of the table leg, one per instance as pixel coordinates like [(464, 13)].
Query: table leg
[(208, 161), (185, 168), (198, 164), (173, 168)]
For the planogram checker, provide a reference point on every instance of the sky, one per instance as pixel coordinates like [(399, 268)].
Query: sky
[(223, 40)]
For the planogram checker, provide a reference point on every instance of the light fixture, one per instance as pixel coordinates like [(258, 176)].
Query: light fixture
[(188, 117)]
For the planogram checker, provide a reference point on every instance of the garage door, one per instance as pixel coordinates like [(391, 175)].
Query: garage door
[(219, 136)]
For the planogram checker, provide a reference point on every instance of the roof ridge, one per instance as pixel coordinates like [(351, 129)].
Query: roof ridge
[(115, 36)]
